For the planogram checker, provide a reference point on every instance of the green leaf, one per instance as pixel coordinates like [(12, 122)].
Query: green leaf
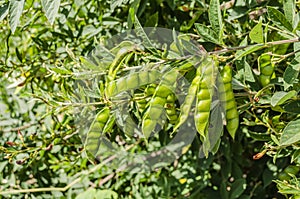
[(207, 33), (297, 49), (3, 11), (256, 34), (248, 72), (267, 177), (245, 70), (19, 55), (60, 70), (215, 131), (259, 136), (90, 30), (237, 188), (117, 3), (126, 45), (223, 188), (237, 12), (247, 51), (152, 21), (189, 46), (287, 188), (292, 107), (196, 16), (274, 139), (90, 193), (251, 3), (244, 42), (215, 18), (175, 46), (289, 8), (279, 19), (294, 157), (106, 194), (280, 97), (15, 12), (132, 12), (245, 197), (51, 8), (291, 73), (141, 33), (291, 133), (89, 65), (100, 58)]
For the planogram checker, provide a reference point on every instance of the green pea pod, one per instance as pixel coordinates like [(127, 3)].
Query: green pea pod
[(232, 116), (266, 68), (188, 102), (96, 129), (130, 82), (171, 108), (211, 142), (204, 97), (120, 51), (186, 65), (156, 105), (117, 62), (140, 101), (150, 90), (124, 44)]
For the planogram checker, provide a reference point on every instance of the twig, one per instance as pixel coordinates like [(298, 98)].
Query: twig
[(20, 128), (268, 44), (106, 179), (227, 5), (245, 94), (74, 104), (256, 13), (244, 105)]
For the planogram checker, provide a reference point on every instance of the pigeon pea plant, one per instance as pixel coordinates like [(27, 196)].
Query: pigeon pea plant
[(265, 98), (247, 79)]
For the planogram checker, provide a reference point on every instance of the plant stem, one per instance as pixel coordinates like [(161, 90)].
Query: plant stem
[(268, 44), (21, 127)]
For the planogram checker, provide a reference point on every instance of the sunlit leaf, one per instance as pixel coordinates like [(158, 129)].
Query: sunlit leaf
[(207, 33), (90, 193), (292, 71), (15, 12), (109, 194), (51, 8), (117, 3), (3, 11), (289, 8), (290, 134), (132, 12), (280, 97), (279, 19), (152, 20), (215, 18), (248, 50), (141, 33), (256, 34)]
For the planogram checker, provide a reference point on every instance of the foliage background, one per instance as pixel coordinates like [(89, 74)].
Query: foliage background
[(40, 145)]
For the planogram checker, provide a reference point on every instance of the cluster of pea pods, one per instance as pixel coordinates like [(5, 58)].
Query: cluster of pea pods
[(154, 90)]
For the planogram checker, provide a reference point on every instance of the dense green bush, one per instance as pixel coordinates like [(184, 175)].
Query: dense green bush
[(46, 51)]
